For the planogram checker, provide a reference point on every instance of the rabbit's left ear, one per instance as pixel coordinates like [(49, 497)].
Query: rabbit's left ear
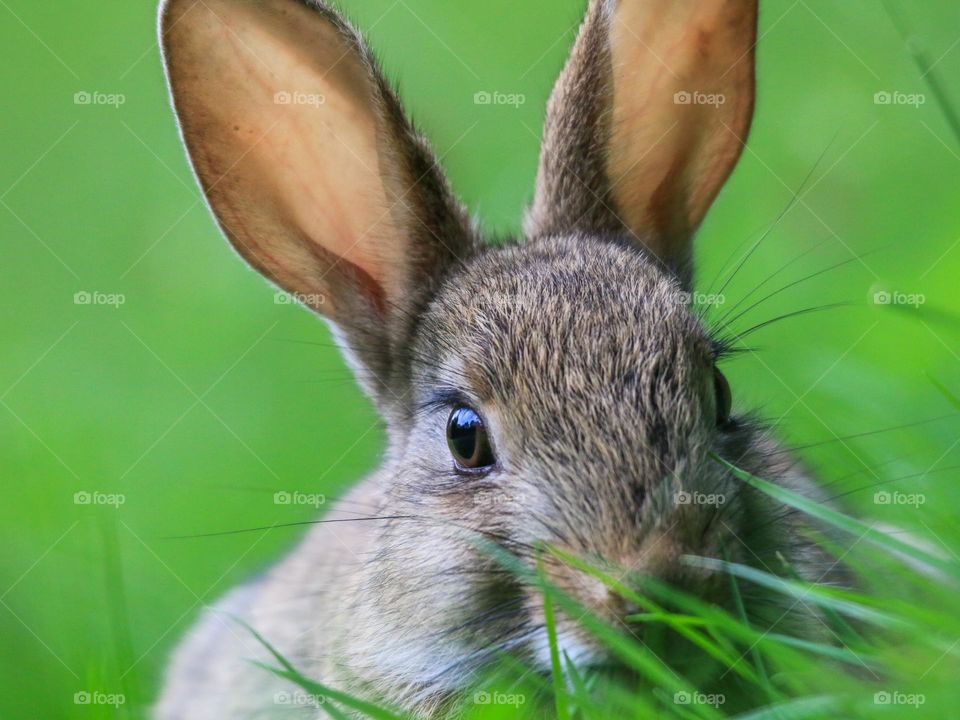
[(647, 121), (311, 167)]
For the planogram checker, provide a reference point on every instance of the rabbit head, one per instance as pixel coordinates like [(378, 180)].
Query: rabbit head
[(557, 389)]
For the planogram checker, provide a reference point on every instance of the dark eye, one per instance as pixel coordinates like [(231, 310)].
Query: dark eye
[(724, 399), (467, 438)]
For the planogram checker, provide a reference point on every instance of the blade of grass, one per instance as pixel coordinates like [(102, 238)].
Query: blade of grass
[(796, 590), (945, 391), (755, 652), (683, 628), (926, 69), (333, 711), (635, 655), (828, 651), (800, 709), (842, 522), (115, 593), (844, 629), (586, 705), (560, 690), (289, 672), (790, 662)]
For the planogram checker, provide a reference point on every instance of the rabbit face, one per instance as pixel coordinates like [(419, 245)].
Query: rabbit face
[(585, 363), (595, 386), (557, 392)]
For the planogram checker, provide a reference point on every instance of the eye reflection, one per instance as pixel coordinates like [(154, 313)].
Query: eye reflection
[(467, 439)]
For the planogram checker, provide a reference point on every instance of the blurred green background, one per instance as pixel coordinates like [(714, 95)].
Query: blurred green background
[(199, 396)]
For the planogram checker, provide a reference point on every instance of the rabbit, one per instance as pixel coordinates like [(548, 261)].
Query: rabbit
[(554, 390)]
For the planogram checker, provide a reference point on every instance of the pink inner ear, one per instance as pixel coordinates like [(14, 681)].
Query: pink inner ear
[(325, 161), (669, 158), (281, 120)]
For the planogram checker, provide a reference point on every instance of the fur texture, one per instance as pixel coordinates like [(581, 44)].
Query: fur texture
[(576, 343)]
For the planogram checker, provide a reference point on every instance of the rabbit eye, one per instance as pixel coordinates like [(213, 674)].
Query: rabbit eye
[(467, 438), (724, 398)]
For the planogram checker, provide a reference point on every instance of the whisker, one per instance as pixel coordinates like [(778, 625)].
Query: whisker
[(724, 323), (784, 267), (893, 480), (276, 526), (790, 205), (917, 423), (786, 316)]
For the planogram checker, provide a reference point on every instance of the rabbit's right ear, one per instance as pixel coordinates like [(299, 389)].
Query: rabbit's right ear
[(647, 121), (311, 167)]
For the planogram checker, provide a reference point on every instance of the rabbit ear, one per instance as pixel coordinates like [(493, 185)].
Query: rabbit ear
[(647, 121), (310, 166)]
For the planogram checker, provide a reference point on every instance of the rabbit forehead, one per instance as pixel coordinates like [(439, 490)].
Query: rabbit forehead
[(570, 329)]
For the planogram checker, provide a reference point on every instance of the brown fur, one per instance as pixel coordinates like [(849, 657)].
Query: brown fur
[(576, 343)]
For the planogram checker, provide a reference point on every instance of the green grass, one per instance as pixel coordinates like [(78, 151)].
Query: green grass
[(875, 654), (199, 397)]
